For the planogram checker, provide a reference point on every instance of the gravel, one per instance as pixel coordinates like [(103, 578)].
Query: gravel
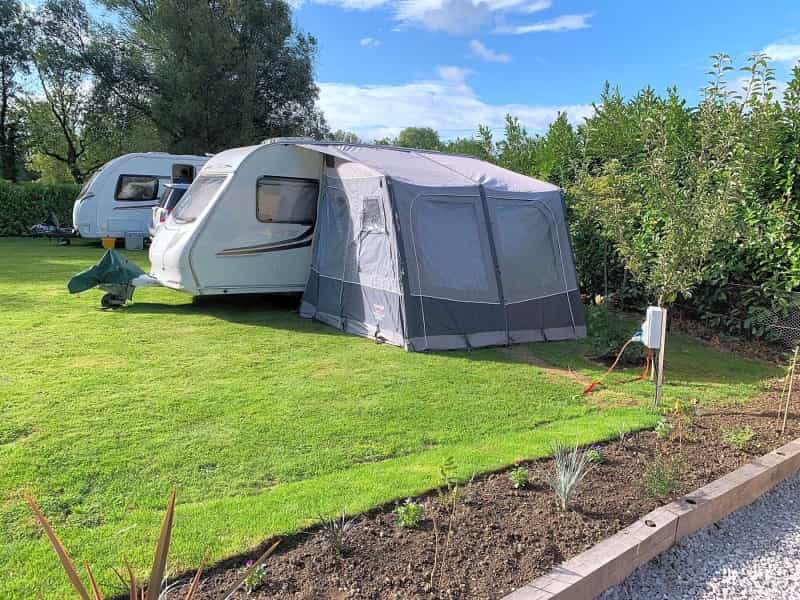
[(753, 554)]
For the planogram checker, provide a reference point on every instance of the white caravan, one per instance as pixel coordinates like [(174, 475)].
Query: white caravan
[(119, 197), (244, 226)]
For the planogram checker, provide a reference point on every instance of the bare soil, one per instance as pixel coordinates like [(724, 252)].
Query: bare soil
[(501, 537)]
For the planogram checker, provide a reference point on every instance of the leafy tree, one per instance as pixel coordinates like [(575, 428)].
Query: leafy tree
[(667, 214), (557, 154), (423, 138), (211, 75), (515, 151), (79, 125), (470, 147), (15, 48), (60, 126), (347, 137)]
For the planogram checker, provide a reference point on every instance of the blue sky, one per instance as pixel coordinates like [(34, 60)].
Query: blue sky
[(451, 64)]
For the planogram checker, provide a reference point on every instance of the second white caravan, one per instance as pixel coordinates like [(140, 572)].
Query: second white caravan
[(119, 197)]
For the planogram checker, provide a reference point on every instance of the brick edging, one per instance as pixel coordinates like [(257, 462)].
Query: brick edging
[(609, 562)]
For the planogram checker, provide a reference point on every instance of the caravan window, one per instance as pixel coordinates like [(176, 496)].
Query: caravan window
[(197, 197), (286, 200), (137, 188)]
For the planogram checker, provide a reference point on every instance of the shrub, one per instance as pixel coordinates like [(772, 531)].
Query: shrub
[(22, 205), (662, 477), (595, 456), (663, 429), (518, 477), (568, 470), (409, 514), (608, 333), (737, 437)]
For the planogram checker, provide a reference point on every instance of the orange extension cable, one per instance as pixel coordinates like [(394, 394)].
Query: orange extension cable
[(648, 359)]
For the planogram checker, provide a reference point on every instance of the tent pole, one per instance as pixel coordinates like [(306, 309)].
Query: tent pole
[(402, 271), (498, 275)]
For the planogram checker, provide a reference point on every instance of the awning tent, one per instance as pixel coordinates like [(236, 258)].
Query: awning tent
[(432, 251)]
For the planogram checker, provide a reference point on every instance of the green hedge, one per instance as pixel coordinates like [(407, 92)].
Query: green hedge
[(25, 204)]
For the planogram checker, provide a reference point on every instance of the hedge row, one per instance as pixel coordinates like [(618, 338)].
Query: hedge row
[(25, 204)]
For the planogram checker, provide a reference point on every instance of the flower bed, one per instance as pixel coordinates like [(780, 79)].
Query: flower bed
[(502, 537)]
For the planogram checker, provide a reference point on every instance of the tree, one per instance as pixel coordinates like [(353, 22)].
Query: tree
[(211, 75), (515, 151), (557, 154), (346, 137), (423, 138), (474, 146), (15, 48), (60, 126), (668, 212), (79, 125)]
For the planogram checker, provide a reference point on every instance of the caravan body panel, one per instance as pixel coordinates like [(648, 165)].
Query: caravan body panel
[(120, 196), (231, 243)]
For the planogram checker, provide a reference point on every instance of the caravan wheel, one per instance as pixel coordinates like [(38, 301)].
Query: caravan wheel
[(110, 300)]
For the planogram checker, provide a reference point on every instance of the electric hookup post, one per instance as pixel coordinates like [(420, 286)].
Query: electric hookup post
[(654, 337)]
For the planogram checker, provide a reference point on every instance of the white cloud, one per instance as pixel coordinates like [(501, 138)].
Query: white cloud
[(446, 104), (477, 48), (454, 75), (562, 23), (451, 16), (462, 16), (369, 42), (537, 6), (783, 52)]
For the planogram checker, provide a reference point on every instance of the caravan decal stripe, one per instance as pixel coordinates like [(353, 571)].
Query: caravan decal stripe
[(138, 207), (300, 241)]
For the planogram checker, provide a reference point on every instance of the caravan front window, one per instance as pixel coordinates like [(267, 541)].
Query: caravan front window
[(287, 200), (197, 198), (137, 188)]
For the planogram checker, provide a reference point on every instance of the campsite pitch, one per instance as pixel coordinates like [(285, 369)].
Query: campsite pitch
[(260, 419)]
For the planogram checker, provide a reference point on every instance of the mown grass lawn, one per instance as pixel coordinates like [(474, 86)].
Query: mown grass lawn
[(260, 419)]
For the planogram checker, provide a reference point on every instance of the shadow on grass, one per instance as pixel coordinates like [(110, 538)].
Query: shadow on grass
[(688, 362)]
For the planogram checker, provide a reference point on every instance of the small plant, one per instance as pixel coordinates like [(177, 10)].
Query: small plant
[(662, 477), (683, 413), (519, 477), (336, 530), (737, 437), (623, 434), (663, 429), (155, 589), (257, 577), (409, 514), (448, 496), (568, 471), (595, 456)]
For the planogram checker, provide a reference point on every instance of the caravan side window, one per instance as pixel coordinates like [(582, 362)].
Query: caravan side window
[(133, 188), (287, 200)]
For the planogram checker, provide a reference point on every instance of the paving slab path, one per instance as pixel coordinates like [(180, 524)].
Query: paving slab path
[(753, 554)]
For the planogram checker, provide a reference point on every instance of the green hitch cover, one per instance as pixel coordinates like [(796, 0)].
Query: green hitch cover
[(113, 269)]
